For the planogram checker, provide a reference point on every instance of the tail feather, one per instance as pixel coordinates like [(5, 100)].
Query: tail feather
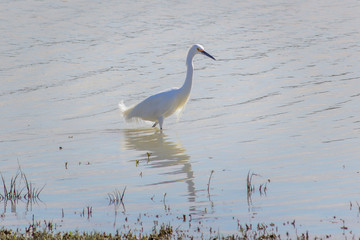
[(125, 111), (128, 114)]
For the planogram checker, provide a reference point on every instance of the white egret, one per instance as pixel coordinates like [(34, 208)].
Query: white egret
[(161, 105)]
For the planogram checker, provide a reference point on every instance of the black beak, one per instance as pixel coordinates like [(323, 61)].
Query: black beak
[(206, 54)]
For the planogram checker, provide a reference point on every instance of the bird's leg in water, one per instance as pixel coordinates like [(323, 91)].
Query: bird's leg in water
[(161, 120), (154, 124)]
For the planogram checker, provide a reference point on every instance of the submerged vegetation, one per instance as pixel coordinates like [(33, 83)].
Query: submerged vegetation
[(19, 188), (164, 231), (116, 198), (251, 188)]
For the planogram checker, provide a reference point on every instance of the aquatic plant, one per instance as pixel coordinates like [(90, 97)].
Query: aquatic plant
[(117, 197), (19, 188), (250, 187)]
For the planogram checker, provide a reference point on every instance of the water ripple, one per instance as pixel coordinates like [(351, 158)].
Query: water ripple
[(254, 99)]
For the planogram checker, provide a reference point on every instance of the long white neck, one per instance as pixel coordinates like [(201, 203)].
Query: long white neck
[(186, 87)]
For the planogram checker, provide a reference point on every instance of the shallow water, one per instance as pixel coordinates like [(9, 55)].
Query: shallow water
[(281, 101)]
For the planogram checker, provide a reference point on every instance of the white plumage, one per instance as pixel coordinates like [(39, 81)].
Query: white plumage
[(161, 105)]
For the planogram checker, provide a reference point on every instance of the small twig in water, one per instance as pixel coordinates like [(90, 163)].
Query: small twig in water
[(208, 189), (164, 198), (148, 155), (89, 212), (165, 207)]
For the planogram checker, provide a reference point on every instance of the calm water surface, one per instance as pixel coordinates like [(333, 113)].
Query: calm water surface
[(281, 101)]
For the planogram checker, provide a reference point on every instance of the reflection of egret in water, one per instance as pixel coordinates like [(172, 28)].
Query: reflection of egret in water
[(164, 153)]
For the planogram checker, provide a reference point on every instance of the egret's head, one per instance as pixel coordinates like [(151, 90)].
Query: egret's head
[(200, 49)]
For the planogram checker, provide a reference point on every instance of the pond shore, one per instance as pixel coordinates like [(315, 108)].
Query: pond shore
[(165, 231)]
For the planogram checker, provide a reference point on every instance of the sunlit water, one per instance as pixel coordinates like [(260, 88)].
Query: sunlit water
[(281, 101)]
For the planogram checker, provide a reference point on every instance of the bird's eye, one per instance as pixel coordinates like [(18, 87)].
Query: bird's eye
[(200, 50)]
